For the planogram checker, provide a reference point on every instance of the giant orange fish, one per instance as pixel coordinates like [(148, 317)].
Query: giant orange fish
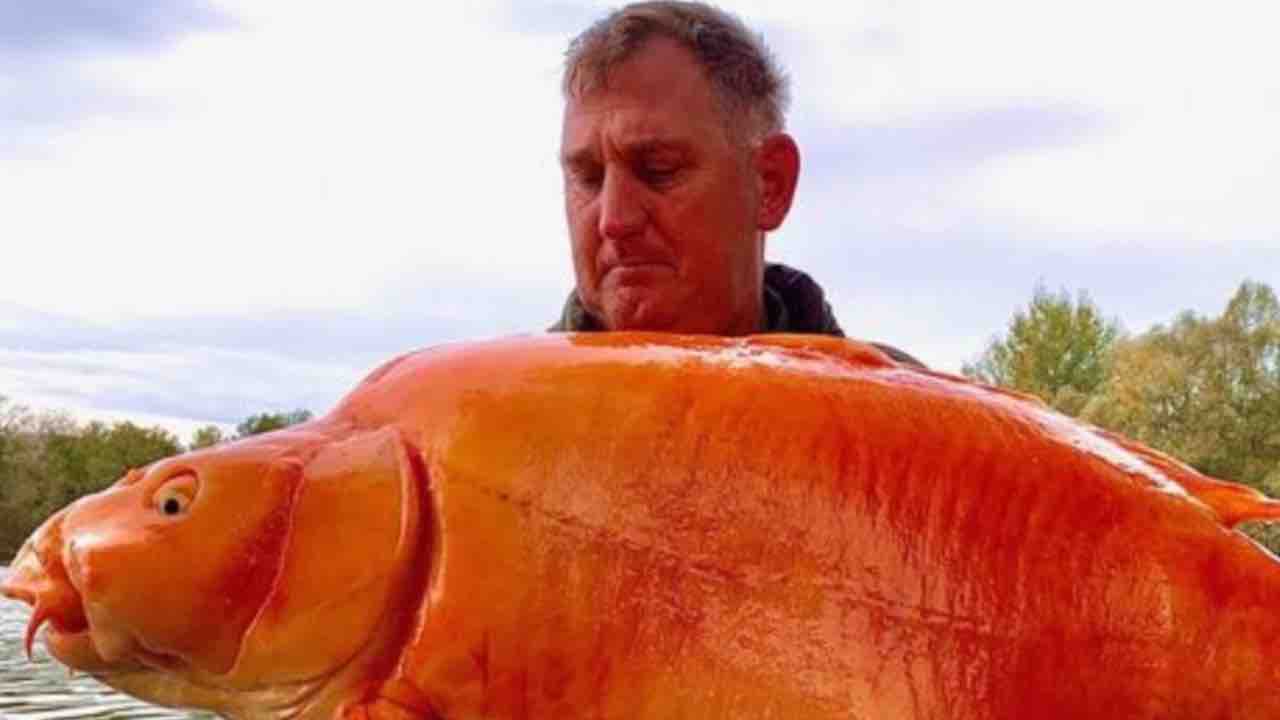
[(646, 526)]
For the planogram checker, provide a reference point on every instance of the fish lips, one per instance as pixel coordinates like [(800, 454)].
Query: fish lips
[(54, 602), (59, 610)]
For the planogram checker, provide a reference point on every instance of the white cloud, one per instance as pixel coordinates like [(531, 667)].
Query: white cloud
[(297, 165), (203, 385), (1202, 179), (378, 160), (1187, 93)]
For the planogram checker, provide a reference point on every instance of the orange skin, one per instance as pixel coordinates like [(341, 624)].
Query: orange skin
[(650, 526)]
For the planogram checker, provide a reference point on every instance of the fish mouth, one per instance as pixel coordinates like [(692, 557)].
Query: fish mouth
[(77, 639), (53, 600), (65, 626), (58, 608)]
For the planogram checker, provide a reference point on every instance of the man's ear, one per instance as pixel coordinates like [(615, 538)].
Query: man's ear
[(778, 170)]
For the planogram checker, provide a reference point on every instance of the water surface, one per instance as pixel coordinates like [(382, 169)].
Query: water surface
[(41, 690)]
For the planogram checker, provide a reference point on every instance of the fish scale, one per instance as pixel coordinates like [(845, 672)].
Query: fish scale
[(655, 526)]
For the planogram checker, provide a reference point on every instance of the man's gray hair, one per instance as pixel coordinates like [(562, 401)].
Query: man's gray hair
[(751, 88)]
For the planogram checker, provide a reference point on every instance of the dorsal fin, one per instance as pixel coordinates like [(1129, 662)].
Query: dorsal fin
[(1233, 503)]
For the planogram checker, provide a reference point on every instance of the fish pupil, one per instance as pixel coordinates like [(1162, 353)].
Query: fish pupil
[(172, 506)]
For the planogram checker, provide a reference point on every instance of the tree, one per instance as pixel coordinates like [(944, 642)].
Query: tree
[(266, 422), (83, 460), (16, 465), (13, 421), (48, 460), (1206, 390), (1057, 349), (206, 436)]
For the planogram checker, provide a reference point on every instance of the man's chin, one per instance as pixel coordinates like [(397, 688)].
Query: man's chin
[(640, 317), (634, 307)]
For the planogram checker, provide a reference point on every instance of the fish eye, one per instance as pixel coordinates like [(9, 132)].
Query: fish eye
[(175, 496)]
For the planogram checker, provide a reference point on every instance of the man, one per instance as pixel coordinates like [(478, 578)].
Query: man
[(675, 167)]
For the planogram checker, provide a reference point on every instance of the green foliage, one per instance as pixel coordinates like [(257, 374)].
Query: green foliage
[(1205, 389), (86, 459), (1057, 348), (206, 436), (16, 484), (266, 422), (47, 461)]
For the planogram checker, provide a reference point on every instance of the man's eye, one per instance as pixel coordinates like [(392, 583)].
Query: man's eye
[(660, 175), (586, 178)]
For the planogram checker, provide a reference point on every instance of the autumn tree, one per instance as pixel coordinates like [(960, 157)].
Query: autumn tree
[(1056, 348), (1206, 390)]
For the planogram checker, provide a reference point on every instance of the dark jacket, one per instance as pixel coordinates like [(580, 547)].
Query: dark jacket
[(793, 303)]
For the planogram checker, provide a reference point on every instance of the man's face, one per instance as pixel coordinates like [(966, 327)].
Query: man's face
[(662, 206)]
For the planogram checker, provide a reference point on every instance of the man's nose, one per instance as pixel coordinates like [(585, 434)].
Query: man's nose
[(622, 211)]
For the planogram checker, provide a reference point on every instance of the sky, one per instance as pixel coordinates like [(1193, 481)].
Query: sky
[(214, 208)]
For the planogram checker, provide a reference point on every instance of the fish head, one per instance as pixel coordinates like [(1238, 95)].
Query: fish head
[(254, 572)]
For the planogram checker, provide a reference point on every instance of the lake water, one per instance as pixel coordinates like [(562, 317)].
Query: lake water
[(40, 689)]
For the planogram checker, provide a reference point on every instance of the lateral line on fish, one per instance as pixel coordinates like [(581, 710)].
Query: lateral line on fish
[(901, 611)]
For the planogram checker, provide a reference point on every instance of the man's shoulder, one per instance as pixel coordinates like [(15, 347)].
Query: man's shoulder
[(793, 303), (898, 355), (796, 303), (574, 317)]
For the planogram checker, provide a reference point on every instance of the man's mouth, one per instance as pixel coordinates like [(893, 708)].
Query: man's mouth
[(632, 273)]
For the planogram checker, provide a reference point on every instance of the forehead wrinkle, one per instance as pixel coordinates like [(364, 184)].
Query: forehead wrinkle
[(643, 145)]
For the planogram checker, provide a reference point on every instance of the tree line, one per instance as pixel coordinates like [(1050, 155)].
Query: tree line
[(1205, 389), (48, 459)]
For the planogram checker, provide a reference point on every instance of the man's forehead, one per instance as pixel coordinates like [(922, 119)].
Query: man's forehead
[(591, 147), (618, 124), (657, 95)]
